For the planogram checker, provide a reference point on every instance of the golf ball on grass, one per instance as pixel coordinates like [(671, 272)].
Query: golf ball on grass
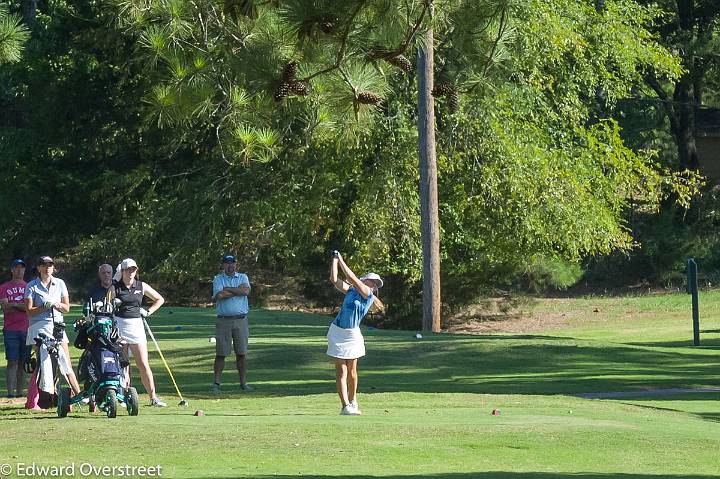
[(211, 339)]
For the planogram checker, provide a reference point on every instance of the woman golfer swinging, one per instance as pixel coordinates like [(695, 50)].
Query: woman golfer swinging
[(345, 341)]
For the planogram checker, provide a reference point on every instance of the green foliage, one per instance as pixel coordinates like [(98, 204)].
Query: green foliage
[(183, 145), (543, 273), (342, 53), (13, 35), (530, 180)]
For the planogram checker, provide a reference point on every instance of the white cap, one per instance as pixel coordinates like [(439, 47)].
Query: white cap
[(128, 263), (373, 276), (124, 264)]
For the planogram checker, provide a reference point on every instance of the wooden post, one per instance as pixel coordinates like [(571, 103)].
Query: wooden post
[(428, 185), (692, 288)]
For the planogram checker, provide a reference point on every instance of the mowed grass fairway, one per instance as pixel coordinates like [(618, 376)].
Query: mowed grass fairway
[(427, 403)]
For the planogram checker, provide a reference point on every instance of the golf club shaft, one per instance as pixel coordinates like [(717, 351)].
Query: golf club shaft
[(152, 336)]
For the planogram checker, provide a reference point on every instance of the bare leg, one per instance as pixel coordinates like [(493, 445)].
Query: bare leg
[(352, 379), (218, 367), (126, 369), (141, 360), (11, 375), (71, 375), (341, 381), (240, 364)]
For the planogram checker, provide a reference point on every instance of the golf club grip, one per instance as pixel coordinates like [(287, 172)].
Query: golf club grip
[(152, 336)]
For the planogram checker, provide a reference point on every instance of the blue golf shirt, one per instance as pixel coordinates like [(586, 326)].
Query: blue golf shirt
[(235, 305), (353, 310)]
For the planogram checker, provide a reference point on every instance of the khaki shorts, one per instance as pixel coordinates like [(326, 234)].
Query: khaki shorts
[(235, 330)]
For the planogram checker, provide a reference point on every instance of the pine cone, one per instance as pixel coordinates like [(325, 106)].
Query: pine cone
[(368, 98), (298, 88), (282, 92), (290, 71), (453, 101), (401, 62), (443, 89)]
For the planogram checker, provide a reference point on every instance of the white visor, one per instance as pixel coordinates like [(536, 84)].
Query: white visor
[(373, 276)]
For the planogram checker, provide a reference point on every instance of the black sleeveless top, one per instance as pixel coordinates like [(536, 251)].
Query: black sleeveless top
[(131, 299)]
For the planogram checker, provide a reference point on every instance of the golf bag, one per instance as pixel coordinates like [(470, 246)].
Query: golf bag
[(103, 359), (50, 355), (100, 369)]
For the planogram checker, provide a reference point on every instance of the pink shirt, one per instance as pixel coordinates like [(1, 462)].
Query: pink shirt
[(14, 292)]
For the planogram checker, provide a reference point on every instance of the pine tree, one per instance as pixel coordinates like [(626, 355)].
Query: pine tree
[(13, 35), (339, 52)]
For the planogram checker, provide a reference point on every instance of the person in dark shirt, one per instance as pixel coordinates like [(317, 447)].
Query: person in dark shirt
[(130, 317), (99, 290)]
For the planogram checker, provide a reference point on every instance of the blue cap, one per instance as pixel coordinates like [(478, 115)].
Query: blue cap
[(228, 258), (17, 262)]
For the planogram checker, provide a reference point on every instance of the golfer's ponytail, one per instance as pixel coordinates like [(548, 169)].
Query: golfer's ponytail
[(377, 306)]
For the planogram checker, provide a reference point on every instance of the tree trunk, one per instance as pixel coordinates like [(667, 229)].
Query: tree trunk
[(687, 93), (685, 130), (428, 187)]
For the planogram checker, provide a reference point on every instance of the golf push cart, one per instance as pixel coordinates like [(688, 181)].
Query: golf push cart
[(100, 369)]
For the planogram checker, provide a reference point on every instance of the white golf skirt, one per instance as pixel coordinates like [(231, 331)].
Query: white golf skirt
[(35, 329), (132, 330), (345, 343)]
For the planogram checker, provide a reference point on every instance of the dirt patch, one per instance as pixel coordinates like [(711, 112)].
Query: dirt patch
[(503, 315)]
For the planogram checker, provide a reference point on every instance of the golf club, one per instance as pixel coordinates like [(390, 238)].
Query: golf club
[(182, 402)]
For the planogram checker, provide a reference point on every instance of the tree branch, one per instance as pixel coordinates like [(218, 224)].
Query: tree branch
[(501, 30), (343, 45), (662, 94), (402, 48)]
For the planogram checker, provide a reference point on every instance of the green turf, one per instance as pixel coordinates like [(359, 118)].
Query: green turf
[(426, 403)]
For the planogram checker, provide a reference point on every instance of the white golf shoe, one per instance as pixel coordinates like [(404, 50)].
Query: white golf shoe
[(156, 402), (348, 410)]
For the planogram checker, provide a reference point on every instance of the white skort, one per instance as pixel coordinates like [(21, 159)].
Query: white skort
[(345, 343), (41, 327), (132, 330)]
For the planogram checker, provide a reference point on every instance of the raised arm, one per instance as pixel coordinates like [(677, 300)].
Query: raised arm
[(361, 287), (339, 284)]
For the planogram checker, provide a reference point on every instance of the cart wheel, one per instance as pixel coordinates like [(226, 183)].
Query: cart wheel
[(132, 401), (111, 402), (63, 402)]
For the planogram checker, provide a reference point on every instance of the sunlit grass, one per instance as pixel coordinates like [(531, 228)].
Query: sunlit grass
[(427, 403)]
